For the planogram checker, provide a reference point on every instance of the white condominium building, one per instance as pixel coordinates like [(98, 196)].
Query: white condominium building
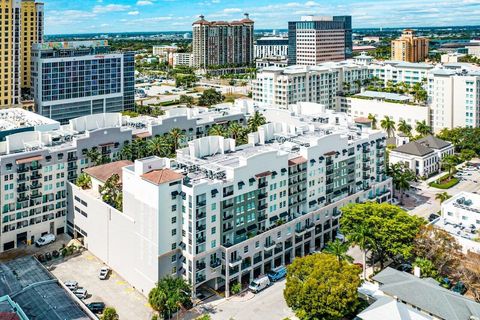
[(281, 87), (463, 209), (397, 71), (38, 156), (220, 214), (454, 98)]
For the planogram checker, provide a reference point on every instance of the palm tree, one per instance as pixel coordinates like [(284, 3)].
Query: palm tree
[(423, 128), (126, 153), (442, 196), (176, 135), (339, 249), (373, 119), (362, 237), (94, 156), (217, 130), (111, 192), (403, 184), (159, 146), (449, 163), (235, 130), (388, 125), (404, 128), (256, 121), (84, 181)]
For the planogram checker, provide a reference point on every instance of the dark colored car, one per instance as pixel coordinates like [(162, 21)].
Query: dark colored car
[(96, 307), (432, 217)]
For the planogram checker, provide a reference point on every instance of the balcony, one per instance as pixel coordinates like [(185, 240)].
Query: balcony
[(22, 189), (262, 207), (329, 171), (246, 265), (21, 179), (215, 263), (23, 169), (201, 227), (227, 205), (201, 215), (262, 196), (366, 167), (72, 167), (200, 278), (72, 158), (228, 193), (257, 259), (36, 176), (262, 184), (310, 227), (22, 198), (202, 203), (36, 186), (34, 196), (227, 216), (269, 246), (300, 231), (200, 240), (200, 266), (262, 217), (235, 262)]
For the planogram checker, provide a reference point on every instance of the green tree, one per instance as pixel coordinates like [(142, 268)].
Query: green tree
[(176, 135), (449, 164), (405, 128), (467, 155), (94, 157), (442, 196), (109, 314), (373, 119), (423, 128), (217, 130), (111, 192), (186, 100), (318, 286), (388, 125), (427, 268), (394, 229), (255, 121), (84, 181), (210, 97), (362, 237), (338, 249), (159, 146), (235, 130), (169, 295)]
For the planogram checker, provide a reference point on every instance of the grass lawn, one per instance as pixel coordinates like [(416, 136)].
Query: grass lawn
[(444, 182)]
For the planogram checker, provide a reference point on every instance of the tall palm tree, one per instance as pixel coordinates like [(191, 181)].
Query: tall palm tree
[(388, 125), (362, 237), (234, 130), (339, 249), (373, 119), (126, 153), (403, 184), (423, 128), (94, 156), (217, 130), (159, 146), (442, 196), (176, 135), (256, 121), (404, 128), (449, 163)]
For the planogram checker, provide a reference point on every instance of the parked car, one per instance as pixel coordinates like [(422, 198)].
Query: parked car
[(433, 216), (96, 307), (81, 293), (71, 284), (103, 275), (405, 267), (277, 273), (44, 240), (259, 284)]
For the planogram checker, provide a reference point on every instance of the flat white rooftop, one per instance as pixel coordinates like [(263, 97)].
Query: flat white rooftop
[(16, 118)]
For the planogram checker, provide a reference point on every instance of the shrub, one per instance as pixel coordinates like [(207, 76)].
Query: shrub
[(236, 288)]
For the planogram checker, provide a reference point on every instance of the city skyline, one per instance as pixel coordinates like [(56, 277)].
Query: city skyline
[(90, 16)]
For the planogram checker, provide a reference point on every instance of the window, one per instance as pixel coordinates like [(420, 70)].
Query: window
[(214, 218), (257, 244), (174, 232), (245, 249), (174, 246), (213, 244), (174, 258), (214, 230), (174, 219), (214, 206)]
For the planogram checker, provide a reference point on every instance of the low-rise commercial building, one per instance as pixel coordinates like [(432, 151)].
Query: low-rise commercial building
[(423, 156), (220, 214), (182, 59), (267, 47)]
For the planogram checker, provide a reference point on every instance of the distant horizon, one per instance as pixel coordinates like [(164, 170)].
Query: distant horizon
[(118, 16), (265, 30)]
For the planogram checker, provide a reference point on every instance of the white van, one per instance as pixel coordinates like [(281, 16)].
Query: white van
[(259, 284), (44, 240)]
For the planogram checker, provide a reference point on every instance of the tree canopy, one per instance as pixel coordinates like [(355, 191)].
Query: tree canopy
[(210, 97), (319, 286), (394, 229), (169, 295)]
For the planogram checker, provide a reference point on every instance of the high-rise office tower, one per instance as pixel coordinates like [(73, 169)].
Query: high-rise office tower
[(314, 40), (222, 43), (32, 32), (409, 47)]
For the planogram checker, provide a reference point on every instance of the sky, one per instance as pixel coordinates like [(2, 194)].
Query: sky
[(92, 16)]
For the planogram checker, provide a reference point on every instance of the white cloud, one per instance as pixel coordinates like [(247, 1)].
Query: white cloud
[(133, 13), (110, 8), (144, 3), (232, 10)]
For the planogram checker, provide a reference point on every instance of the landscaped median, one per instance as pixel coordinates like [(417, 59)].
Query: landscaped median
[(444, 182)]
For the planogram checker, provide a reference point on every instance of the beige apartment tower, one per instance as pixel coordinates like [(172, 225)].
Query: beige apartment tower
[(409, 48), (221, 43), (32, 32)]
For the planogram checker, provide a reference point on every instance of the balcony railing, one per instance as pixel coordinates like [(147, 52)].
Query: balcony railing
[(269, 245), (200, 266), (215, 263), (235, 262)]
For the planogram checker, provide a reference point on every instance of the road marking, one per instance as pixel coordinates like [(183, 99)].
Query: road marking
[(120, 283)]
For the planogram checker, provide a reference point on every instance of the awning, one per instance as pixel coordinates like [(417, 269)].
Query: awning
[(214, 191), (251, 180), (311, 203), (252, 227), (283, 170), (241, 231), (274, 218), (263, 174), (29, 159), (321, 158), (274, 173), (331, 153), (106, 144), (283, 214), (297, 160), (312, 161), (142, 135), (241, 183), (174, 193)]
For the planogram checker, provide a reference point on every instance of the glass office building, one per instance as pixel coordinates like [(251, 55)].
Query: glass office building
[(73, 79)]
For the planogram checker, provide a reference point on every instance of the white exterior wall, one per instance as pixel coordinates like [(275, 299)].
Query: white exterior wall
[(395, 111), (422, 166), (456, 213)]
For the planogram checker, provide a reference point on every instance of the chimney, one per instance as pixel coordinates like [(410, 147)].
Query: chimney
[(246, 15), (202, 17)]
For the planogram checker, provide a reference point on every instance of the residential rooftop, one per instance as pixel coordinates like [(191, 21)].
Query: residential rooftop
[(384, 96), (103, 172), (17, 118)]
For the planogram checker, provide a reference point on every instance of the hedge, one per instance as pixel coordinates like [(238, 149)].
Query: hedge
[(444, 185)]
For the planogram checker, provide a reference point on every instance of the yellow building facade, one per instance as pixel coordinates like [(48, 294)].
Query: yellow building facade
[(32, 32), (409, 48)]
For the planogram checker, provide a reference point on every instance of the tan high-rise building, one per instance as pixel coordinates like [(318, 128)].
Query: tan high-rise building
[(409, 48), (31, 32)]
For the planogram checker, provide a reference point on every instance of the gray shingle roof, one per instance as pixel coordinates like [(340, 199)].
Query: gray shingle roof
[(434, 142), (426, 295), (414, 148)]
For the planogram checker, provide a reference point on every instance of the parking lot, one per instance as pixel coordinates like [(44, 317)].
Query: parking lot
[(268, 304), (114, 292)]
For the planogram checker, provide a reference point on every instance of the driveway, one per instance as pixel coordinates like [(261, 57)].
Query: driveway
[(268, 304), (114, 292)]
